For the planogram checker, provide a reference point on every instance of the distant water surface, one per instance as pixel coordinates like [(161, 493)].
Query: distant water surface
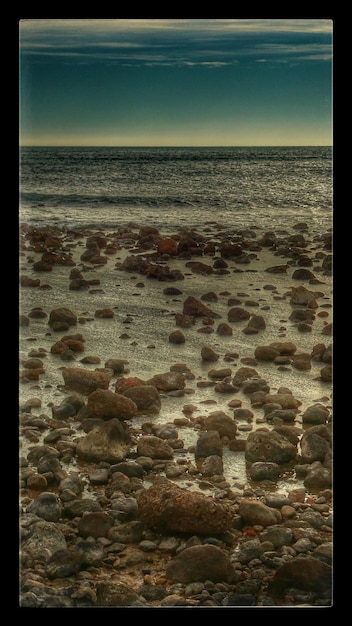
[(172, 188)]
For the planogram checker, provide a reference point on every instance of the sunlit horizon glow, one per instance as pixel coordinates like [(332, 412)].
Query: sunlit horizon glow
[(175, 82)]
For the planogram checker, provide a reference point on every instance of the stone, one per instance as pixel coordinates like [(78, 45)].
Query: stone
[(108, 442), (166, 507), (200, 563)]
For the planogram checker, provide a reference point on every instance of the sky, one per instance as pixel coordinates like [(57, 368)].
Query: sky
[(175, 82)]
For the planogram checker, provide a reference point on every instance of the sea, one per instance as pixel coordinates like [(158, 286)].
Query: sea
[(173, 188)]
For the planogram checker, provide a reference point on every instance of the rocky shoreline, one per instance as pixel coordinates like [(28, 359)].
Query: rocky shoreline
[(116, 510)]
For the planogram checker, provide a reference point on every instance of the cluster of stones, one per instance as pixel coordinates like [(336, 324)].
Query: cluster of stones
[(103, 521)]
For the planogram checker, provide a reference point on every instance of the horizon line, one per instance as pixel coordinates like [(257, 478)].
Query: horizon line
[(177, 146)]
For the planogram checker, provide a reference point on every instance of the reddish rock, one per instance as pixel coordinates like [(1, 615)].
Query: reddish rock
[(145, 397), (222, 423), (195, 308), (169, 508), (167, 245), (200, 268), (85, 381), (265, 353), (37, 313), (122, 384), (105, 404), (177, 337), (185, 321), (209, 355), (104, 313), (26, 281), (237, 314), (62, 315), (224, 330)]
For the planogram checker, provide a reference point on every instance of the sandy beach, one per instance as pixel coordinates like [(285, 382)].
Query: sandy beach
[(211, 333)]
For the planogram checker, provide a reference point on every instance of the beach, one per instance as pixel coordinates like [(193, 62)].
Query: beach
[(175, 395)]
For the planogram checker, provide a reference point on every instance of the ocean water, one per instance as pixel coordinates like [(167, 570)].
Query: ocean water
[(173, 188)]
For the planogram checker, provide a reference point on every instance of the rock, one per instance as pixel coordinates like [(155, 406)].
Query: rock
[(117, 365), (108, 442), (237, 314), (46, 506), (104, 313), (266, 353), (177, 337), (195, 308), (302, 361), (305, 573), (318, 478), (269, 446), (167, 245), (284, 347), (63, 563), (242, 374), (105, 404), (302, 274), (316, 414), (44, 539), (169, 381), (85, 381), (145, 397), (209, 355), (264, 471), (166, 507), (285, 400), (62, 315), (254, 513), (224, 330), (115, 593), (277, 269), (200, 563), (154, 447), (212, 465), (314, 447), (222, 423), (257, 321), (208, 444), (302, 296), (95, 524)]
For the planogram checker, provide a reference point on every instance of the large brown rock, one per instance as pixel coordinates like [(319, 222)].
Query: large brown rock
[(166, 507), (105, 404), (85, 381)]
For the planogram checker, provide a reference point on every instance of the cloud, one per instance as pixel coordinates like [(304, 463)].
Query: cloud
[(210, 43)]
